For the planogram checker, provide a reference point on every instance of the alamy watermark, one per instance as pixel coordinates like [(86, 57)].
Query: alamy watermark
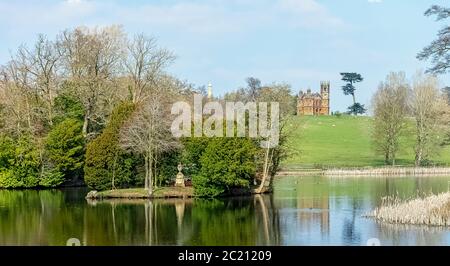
[(261, 123)]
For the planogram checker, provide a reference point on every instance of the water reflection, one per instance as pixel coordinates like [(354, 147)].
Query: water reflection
[(302, 211), (243, 221)]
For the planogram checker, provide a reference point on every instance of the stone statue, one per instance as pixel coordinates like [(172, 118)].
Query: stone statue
[(179, 181)]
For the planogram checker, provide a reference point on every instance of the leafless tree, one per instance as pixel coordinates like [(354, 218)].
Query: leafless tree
[(148, 132), (144, 64), (18, 99), (92, 59), (427, 105), (40, 65), (390, 104)]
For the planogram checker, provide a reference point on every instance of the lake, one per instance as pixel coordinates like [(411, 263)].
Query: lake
[(301, 211)]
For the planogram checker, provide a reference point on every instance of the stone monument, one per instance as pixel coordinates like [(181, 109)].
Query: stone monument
[(179, 181)]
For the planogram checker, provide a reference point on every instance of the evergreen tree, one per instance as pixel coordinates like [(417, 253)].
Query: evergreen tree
[(226, 163), (349, 89), (107, 166)]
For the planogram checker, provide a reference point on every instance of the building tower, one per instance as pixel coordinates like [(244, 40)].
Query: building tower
[(325, 93), (209, 91)]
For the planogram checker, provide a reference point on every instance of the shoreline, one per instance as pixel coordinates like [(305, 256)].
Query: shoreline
[(140, 193), (369, 172), (162, 193)]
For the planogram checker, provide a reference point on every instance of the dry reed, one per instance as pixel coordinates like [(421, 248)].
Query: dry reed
[(389, 171), (431, 210)]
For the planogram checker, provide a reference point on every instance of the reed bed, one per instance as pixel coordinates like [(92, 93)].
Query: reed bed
[(431, 210), (388, 171)]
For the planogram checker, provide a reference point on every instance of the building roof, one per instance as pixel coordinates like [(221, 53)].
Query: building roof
[(310, 95)]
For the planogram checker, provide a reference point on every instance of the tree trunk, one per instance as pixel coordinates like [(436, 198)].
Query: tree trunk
[(85, 124), (418, 157), (146, 187), (27, 103), (259, 190), (419, 150), (50, 111), (150, 177), (149, 173), (113, 185)]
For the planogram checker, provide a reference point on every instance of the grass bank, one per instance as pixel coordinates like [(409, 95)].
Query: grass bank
[(431, 210), (344, 142), (140, 193), (163, 193)]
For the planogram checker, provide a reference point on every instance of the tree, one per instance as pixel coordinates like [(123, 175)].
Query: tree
[(147, 133), (250, 93), (144, 63), (427, 105), (41, 66), (191, 153), (65, 147), (92, 59), (349, 89), (280, 93), (68, 107), (439, 50), (106, 165), (390, 104), (20, 101), (253, 88), (22, 164)]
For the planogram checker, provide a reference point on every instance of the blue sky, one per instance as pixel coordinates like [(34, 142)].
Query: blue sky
[(299, 42)]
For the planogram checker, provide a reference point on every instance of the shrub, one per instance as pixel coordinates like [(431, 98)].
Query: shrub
[(8, 180), (51, 178), (7, 152), (167, 167), (191, 154), (226, 163), (20, 163)]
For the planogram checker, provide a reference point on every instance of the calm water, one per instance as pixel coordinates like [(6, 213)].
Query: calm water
[(302, 211)]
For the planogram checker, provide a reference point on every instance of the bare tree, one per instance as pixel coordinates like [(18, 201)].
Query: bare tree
[(144, 64), (41, 67), (92, 60), (148, 133), (427, 105), (390, 104), (19, 100), (253, 88)]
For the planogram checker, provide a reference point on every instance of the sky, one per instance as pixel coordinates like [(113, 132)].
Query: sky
[(298, 42)]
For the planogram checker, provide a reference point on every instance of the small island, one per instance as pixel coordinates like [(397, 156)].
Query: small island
[(140, 193), (432, 210)]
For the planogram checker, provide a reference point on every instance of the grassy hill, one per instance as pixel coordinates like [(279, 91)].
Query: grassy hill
[(330, 141)]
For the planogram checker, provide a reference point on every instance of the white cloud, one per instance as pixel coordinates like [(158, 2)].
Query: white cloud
[(375, 1), (74, 2), (21, 21), (217, 16), (310, 14)]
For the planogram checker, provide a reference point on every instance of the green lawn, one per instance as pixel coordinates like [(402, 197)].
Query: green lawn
[(330, 141)]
